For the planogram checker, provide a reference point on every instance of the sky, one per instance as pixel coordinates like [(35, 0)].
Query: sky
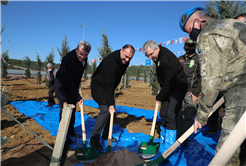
[(38, 26)]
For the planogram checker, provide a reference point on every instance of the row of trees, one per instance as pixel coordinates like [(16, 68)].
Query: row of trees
[(5, 55), (103, 50)]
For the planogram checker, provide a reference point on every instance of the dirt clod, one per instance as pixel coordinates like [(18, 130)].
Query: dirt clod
[(118, 158)]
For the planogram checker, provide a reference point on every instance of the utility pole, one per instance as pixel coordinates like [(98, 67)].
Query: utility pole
[(83, 30)]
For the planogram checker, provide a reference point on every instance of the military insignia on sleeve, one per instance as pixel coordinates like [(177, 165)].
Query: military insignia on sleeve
[(158, 64), (191, 63)]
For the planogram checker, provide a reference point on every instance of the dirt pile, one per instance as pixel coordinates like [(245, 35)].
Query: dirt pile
[(118, 158)]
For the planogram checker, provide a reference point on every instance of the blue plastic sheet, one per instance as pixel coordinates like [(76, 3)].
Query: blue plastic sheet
[(198, 152), (137, 112)]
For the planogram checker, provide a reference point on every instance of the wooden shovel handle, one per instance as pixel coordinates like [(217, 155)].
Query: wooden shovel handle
[(154, 120), (190, 131), (110, 128), (82, 122), (232, 143)]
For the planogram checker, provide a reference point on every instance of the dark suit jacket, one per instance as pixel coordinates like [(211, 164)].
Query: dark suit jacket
[(68, 78), (106, 78), (170, 73)]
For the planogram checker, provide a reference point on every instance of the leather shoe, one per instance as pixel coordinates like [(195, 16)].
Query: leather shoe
[(94, 142), (112, 139), (211, 131), (69, 141), (74, 135), (49, 105)]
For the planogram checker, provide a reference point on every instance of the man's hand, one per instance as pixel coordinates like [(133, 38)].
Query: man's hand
[(194, 98), (81, 102), (158, 102), (111, 109), (197, 125)]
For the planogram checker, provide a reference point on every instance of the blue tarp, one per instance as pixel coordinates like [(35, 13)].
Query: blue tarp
[(137, 112), (198, 152)]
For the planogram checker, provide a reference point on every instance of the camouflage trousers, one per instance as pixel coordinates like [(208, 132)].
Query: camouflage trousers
[(239, 158), (235, 102), (235, 105)]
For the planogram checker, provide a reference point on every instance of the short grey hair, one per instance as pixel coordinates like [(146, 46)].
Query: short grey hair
[(87, 46), (202, 14), (150, 43), (50, 65)]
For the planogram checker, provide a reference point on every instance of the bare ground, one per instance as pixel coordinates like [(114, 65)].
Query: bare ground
[(24, 149)]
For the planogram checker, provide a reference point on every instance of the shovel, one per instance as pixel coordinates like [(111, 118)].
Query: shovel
[(149, 149), (86, 154), (110, 132), (181, 139), (232, 143)]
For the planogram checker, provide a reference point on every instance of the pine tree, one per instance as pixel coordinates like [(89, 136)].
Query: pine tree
[(153, 80), (105, 49), (4, 2), (1, 32), (64, 48), (126, 75), (50, 57), (225, 9), (93, 67), (4, 66), (137, 75), (27, 65), (86, 71), (39, 81), (145, 75)]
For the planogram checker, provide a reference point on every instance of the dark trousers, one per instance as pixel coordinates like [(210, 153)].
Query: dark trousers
[(102, 122), (186, 115), (72, 120), (170, 108), (213, 119), (51, 101)]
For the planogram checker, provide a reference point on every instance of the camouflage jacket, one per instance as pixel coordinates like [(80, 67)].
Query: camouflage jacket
[(222, 55)]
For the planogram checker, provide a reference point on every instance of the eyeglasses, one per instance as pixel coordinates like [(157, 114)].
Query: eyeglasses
[(150, 54)]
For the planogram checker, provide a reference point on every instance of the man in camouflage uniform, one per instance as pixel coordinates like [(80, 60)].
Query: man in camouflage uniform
[(222, 56), (191, 68)]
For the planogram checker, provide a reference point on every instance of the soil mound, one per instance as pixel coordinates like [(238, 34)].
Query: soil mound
[(118, 158)]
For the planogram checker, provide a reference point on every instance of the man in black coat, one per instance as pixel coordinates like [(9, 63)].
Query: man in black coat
[(173, 82), (51, 75), (104, 82), (68, 79)]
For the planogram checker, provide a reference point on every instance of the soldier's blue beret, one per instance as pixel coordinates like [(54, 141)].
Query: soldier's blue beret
[(186, 15)]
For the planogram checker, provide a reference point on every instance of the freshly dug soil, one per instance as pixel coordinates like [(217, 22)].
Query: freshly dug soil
[(118, 158), (23, 149)]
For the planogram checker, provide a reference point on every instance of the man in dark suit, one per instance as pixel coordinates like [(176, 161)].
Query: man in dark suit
[(51, 75), (68, 79), (104, 81), (173, 82)]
